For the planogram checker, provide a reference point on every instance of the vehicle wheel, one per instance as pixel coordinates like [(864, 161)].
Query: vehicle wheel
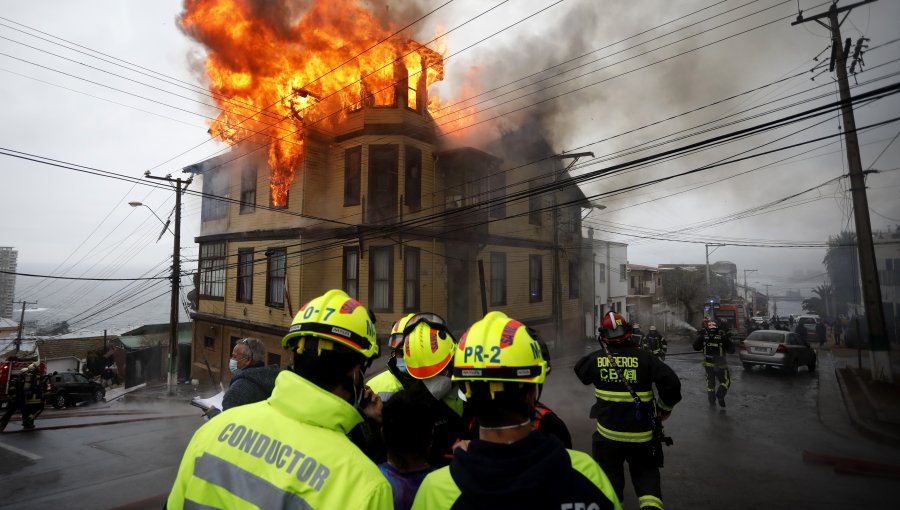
[(792, 368), (812, 365), (748, 366), (98, 395), (60, 401)]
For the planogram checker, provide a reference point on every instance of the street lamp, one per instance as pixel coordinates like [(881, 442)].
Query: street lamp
[(180, 186), (135, 203)]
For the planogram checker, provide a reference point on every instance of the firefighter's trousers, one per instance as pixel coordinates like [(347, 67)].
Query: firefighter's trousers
[(717, 373), (612, 455)]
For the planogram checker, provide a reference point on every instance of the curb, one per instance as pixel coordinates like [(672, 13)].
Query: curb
[(863, 425)]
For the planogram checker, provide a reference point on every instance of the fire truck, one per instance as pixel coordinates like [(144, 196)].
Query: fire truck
[(10, 368), (734, 315)]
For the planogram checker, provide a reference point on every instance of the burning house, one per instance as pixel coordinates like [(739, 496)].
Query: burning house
[(342, 178)]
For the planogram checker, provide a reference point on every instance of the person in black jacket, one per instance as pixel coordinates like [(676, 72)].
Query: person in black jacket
[(251, 381), (498, 366), (628, 414), (715, 344)]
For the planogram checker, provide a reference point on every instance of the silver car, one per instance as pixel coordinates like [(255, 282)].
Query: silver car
[(776, 348)]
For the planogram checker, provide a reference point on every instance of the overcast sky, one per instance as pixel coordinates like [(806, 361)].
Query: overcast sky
[(71, 107)]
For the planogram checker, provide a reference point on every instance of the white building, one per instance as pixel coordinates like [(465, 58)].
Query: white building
[(887, 260), (8, 257), (609, 275)]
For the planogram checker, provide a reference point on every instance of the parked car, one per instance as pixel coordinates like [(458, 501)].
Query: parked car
[(67, 388), (776, 348)]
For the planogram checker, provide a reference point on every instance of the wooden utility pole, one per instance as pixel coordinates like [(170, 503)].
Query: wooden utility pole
[(22, 324), (871, 290), (180, 186)]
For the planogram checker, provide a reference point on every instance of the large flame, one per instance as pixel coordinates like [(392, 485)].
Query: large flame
[(278, 68)]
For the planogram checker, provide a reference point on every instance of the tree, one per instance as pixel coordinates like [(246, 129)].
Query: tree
[(821, 303), (843, 270)]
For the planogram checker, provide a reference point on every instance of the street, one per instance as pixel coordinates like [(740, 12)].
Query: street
[(749, 455)]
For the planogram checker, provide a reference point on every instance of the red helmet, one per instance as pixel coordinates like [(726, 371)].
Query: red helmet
[(614, 328)]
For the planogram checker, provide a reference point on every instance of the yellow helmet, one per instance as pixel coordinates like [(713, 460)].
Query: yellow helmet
[(500, 349), (338, 318), (396, 339), (428, 345)]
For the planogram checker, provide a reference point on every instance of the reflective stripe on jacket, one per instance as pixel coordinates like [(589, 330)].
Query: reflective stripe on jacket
[(290, 451), (553, 479), (615, 410)]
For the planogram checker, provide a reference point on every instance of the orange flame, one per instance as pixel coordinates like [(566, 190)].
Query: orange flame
[(275, 74)]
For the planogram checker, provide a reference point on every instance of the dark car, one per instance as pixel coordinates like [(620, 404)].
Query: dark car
[(67, 388), (776, 348)]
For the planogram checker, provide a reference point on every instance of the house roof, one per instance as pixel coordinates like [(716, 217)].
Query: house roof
[(8, 323), (74, 347), (153, 333), (638, 267)]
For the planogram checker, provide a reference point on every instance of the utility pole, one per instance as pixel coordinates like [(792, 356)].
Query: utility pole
[(707, 274), (745, 280), (557, 283), (22, 325), (880, 358), (180, 186)]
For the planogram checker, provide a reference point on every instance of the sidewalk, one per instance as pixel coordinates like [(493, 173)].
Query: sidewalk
[(872, 406)]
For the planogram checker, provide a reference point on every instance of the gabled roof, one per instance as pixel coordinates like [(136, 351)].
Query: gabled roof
[(74, 347)]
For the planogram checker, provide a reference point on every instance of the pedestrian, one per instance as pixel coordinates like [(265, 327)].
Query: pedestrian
[(715, 345), (801, 331), (251, 379), (291, 451), (407, 435), (791, 320), (628, 414), (107, 376), (821, 332), (498, 366), (837, 331)]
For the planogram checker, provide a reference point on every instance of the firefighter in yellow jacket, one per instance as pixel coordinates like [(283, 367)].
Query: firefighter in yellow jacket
[(498, 364), (292, 450)]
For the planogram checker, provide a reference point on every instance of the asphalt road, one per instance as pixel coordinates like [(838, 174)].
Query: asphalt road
[(750, 455)]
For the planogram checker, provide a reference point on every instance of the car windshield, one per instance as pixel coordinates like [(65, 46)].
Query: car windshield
[(766, 336)]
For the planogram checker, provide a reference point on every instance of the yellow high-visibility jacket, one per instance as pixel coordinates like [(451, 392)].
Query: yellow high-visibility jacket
[(290, 451)]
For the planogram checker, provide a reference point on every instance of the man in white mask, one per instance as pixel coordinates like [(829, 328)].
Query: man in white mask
[(428, 348)]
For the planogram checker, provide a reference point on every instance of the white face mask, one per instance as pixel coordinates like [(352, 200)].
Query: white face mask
[(401, 364), (439, 386), (233, 366)]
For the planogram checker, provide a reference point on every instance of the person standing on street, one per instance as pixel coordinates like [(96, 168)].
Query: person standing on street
[(498, 365), (292, 450), (251, 380), (26, 396), (821, 332), (628, 414), (656, 343), (715, 345)]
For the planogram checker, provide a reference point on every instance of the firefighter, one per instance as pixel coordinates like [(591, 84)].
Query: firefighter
[(34, 395), (656, 343), (26, 396), (428, 348), (628, 414), (498, 365), (715, 344), (396, 377), (291, 450)]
